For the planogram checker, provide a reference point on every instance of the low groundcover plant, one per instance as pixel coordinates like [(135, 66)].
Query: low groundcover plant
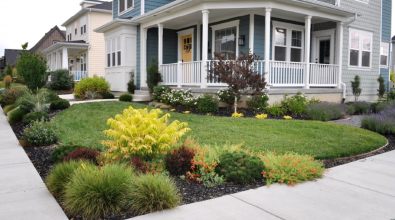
[(41, 133)]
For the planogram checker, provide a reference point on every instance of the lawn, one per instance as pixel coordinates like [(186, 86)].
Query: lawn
[(84, 124)]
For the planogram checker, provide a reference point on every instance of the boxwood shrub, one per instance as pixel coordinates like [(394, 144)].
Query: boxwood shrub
[(59, 104), (126, 98), (34, 116)]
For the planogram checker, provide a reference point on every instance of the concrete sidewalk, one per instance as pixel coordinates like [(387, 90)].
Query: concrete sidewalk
[(364, 189), (23, 194)]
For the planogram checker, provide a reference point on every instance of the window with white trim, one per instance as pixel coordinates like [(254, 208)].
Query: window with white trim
[(288, 42), (75, 28), (384, 54), (125, 5), (360, 48), (225, 39), (113, 51), (69, 33), (83, 25), (108, 52), (83, 62), (118, 51)]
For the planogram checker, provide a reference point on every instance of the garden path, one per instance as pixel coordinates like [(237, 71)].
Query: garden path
[(23, 194), (362, 189), (354, 120)]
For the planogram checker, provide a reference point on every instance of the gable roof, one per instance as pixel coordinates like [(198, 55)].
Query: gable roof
[(107, 8), (48, 34), (11, 55), (104, 6)]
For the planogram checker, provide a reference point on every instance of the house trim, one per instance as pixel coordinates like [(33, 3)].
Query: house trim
[(189, 31), (360, 67)]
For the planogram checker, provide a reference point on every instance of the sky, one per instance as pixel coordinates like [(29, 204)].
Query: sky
[(28, 20)]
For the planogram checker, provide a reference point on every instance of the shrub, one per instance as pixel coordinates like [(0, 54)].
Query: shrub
[(61, 80), (33, 102), (62, 150), (107, 95), (139, 164), (131, 85), (35, 116), (383, 122), (356, 90), (153, 75), (82, 154), (391, 94), (8, 70), (237, 115), (296, 104), (9, 108), (207, 103), (258, 102), (228, 97), (261, 116), (59, 104), (16, 115), (33, 69), (41, 133), (291, 168), (94, 84), (7, 81), (97, 192), (159, 91), (325, 111), (131, 136), (178, 161), (238, 74), (11, 95), (276, 110), (151, 193), (381, 106), (381, 89), (52, 97), (362, 107), (350, 109), (239, 167), (179, 97), (60, 176), (126, 98)]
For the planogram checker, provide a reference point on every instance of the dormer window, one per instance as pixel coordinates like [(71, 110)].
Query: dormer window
[(75, 28), (83, 25), (125, 5)]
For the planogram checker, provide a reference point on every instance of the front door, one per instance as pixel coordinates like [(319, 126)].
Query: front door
[(186, 48), (324, 50)]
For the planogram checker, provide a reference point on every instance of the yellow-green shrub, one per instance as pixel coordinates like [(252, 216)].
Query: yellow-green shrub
[(291, 168), (138, 131), (94, 84), (7, 82)]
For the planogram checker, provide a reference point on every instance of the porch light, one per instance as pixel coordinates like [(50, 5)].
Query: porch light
[(78, 60), (71, 61), (242, 40)]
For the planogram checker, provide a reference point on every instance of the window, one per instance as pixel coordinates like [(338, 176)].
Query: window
[(363, 1), (384, 54), (69, 33), (225, 37), (113, 51), (108, 52), (83, 25), (75, 28), (125, 5), (360, 48), (83, 62), (118, 51), (288, 42)]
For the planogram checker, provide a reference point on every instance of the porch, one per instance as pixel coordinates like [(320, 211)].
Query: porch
[(70, 55), (300, 46)]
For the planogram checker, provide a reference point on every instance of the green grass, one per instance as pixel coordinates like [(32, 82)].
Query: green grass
[(84, 125)]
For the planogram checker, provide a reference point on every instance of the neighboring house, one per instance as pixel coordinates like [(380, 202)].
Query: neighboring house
[(306, 45), (53, 36), (82, 52), (392, 66), (10, 55)]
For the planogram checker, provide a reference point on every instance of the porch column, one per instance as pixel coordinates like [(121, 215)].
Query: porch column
[(58, 60), (203, 83), (197, 48), (160, 45), (339, 56), (307, 51), (143, 58), (65, 59), (267, 45), (252, 30)]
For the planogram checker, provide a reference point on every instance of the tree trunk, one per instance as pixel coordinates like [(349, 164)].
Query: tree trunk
[(235, 103)]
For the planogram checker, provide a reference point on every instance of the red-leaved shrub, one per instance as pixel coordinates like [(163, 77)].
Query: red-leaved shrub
[(82, 154), (138, 164), (178, 162)]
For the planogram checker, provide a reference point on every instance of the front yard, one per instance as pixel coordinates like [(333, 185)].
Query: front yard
[(84, 124)]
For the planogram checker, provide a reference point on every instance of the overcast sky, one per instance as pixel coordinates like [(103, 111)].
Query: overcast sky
[(28, 20)]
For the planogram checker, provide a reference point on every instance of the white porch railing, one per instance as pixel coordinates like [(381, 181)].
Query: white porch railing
[(324, 75), (169, 73), (190, 73), (286, 73), (78, 75)]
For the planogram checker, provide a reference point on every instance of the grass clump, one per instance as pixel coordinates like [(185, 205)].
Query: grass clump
[(16, 115), (97, 192), (35, 116), (9, 108), (291, 168), (126, 98), (151, 193)]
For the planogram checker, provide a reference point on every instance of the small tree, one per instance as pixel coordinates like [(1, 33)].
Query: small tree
[(33, 69), (153, 75), (381, 89), (8, 70), (239, 74), (131, 85), (356, 90)]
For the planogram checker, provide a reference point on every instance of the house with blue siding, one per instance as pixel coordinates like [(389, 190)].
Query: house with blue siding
[(316, 47)]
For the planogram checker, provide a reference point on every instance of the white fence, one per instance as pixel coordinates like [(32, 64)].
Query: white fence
[(187, 73), (324, 75), (78, 75), (286, 73)]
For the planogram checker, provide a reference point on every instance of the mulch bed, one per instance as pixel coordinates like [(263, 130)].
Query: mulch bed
[(191, 191)]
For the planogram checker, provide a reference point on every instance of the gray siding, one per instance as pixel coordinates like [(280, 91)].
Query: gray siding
[(153, 4), (371, 20), (386, 36), (152, 45), (170, 46), (133, 13)]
